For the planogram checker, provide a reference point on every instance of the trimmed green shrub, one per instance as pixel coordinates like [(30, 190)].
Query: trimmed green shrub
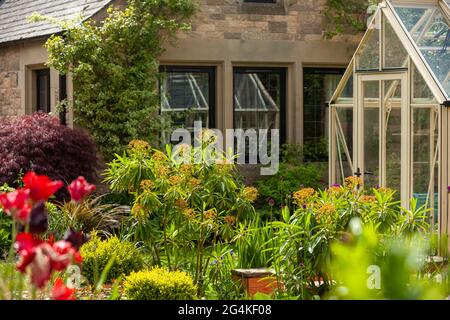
[(160, 284), (97, 253)]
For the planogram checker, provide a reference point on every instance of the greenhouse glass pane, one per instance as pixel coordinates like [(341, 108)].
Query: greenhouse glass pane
[(369, 56), (346, 96), (425, 125), (395, 54), (344, 143), (371, 102), (421, 92), (431, 32), (393, 133)]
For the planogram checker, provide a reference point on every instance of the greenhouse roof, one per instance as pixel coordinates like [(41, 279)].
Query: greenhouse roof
[(422, 29)]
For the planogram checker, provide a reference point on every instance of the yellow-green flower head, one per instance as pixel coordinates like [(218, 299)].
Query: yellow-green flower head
[(158, 156), (175, 180), (139, 146), (140, 213), (184, 149), (224, 164), (207, 136), (352, 182), (181, 203), (367, 199), (335, 189), (186, 168), (161, 170), (325, 213), (147, 185), (188, 213), (231, 220), (385, 190), (250, 193), (194, 182), (210, 214), (303, 195)]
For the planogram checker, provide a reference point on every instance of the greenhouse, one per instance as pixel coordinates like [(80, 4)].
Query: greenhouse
[(390, 113)]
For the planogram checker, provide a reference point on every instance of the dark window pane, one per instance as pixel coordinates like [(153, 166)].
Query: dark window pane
[(259, 99), (43, 90), (319, 86), (187, 95)]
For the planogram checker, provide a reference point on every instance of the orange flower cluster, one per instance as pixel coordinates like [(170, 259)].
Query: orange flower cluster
[(303, 195)]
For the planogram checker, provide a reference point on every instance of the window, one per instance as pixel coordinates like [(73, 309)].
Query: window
[(260, 100), (42, 84), (188, 95), (319, 85), (63, 97)]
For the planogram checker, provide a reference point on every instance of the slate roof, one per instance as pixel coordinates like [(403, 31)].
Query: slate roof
[(13, 16)]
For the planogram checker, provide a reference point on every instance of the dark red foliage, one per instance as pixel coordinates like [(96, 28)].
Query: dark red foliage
[(41, 144)]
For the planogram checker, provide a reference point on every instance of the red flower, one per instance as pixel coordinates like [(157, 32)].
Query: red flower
[(14, 199), (61, 292), (41, 187), (64, 255), (80, 188), (43, 257), (15, 203)]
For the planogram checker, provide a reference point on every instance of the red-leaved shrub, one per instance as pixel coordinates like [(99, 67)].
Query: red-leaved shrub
[(41, 144)]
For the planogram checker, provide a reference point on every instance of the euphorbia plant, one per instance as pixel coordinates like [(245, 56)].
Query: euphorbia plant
[(40, 258)]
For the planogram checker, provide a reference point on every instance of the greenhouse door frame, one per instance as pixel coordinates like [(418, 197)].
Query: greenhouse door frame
[(405, 114)]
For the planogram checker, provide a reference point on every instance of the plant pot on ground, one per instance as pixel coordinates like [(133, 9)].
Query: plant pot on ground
[(257, 280)]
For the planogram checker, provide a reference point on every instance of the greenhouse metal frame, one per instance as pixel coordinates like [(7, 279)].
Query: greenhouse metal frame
[(390, 116)]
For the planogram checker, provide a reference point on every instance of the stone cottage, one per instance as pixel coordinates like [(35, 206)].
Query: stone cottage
[(245, 64)]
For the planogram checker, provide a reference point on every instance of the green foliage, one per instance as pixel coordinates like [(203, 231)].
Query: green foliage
[(5, 227), (293, 173), (288, 179), (366, 268), (253, 244), (87, 216), (346, 16), (159, 284), (12, 282), (219, 281), (5, 234), (182, 207), (315, 151), (98, 253), (304, 235), (114, 65)]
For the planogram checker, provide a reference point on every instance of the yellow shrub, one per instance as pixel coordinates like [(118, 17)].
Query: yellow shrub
[(159, 284), (97, 253)]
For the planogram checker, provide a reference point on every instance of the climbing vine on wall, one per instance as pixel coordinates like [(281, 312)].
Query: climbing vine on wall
[(347, 16), (114, 66)]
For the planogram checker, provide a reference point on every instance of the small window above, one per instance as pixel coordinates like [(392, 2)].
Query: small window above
[(42, 90)]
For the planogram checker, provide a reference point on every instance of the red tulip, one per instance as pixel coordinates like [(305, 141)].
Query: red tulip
[(40, 186), (61, 292), (80, 188), (43, 257), (15, 203)]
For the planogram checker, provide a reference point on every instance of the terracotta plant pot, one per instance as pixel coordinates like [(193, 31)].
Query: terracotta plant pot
[(256, 280)]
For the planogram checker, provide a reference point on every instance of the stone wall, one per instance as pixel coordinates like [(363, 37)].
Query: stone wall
[(291, 20), (9, 81)]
